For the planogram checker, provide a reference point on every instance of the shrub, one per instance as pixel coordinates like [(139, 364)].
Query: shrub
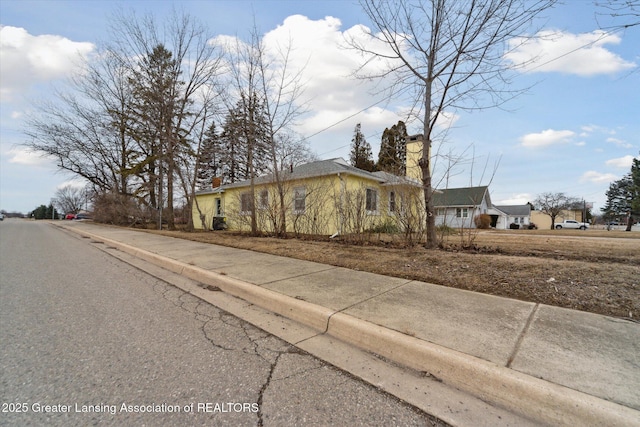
[(483, 221), (118, 209), (388, 227)]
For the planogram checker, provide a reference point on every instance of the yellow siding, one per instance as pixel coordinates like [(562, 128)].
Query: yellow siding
[(333, 204), (414, 153), (204, 205), (543, 221)]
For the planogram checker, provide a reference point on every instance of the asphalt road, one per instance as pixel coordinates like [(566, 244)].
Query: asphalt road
[(86, 339)]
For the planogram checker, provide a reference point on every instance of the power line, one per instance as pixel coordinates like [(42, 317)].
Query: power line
[(342, 120), (591, 43)]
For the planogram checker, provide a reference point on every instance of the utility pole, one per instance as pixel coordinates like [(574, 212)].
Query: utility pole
[(53, 208)]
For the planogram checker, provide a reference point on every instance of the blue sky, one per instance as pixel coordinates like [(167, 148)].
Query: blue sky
[(575, 131)]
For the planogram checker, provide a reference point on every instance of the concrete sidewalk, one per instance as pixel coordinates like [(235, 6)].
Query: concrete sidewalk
[(552, 365)]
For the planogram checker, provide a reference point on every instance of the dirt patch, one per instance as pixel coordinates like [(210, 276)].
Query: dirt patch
[(593, 271)]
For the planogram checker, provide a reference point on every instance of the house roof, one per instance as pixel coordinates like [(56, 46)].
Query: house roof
[(391, 179), (515, 210), (467, 196), (316, 169)]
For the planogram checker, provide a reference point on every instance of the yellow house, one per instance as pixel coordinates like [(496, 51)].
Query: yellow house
[(327, 197), (543, 221)]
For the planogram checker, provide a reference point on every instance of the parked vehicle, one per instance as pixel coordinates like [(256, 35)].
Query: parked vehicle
[(571, 224), (70, 216)]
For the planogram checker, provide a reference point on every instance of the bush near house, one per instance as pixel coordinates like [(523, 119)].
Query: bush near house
[(483, 221)]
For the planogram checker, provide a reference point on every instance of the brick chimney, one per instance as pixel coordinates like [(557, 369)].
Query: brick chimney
[(216, 182)]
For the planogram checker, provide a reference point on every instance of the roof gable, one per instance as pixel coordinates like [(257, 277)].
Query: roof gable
[(515, 210), (467, 196)]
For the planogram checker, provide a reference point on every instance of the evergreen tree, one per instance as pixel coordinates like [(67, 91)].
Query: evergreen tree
[(623, 197), (45, 212), (156, 87), (243, 141), (635, 179), (360, 155), (210, 159), (393, 150)]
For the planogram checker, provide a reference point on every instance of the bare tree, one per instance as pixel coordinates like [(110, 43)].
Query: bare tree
[(408, 213), (356, 209), (281, 89), (71, 199), (553, 204), (131, 121), (315, 218), (244, 101), (176, 61), (624, 13), (269, 90), (85, 130), (449, 54)]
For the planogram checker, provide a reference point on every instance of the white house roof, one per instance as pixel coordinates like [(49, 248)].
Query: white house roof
[(515, 210), (463, 197)]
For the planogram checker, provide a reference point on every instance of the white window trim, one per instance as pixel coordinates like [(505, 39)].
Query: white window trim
[(464, 213)]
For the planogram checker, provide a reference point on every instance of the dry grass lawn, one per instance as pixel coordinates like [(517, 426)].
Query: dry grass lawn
[(595, 271)]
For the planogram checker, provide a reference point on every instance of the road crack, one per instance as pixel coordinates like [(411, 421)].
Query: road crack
[(229, 333)]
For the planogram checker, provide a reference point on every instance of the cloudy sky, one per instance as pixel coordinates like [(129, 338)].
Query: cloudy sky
[(576, 130)]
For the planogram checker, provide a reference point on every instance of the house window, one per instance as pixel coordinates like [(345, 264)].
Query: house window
[(218, 207), (246, 203), (372, 200), (263, 199), (392, 201), (462, 212), (440, 212), (299, 199)]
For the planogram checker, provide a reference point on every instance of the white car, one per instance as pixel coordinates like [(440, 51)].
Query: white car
[(571, 224)]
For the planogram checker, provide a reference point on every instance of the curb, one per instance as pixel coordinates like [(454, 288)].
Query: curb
[(531, 397)]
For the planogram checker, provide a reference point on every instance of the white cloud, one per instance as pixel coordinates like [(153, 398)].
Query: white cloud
[(26, 59), (74, 183), (546, 138), (559, 51), (619, 142), (25, 157), (517, 199), (336, 101), (621, 162), (597, 177)]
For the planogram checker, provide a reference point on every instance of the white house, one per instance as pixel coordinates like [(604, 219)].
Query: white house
[(503, 216), (457, 207)]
